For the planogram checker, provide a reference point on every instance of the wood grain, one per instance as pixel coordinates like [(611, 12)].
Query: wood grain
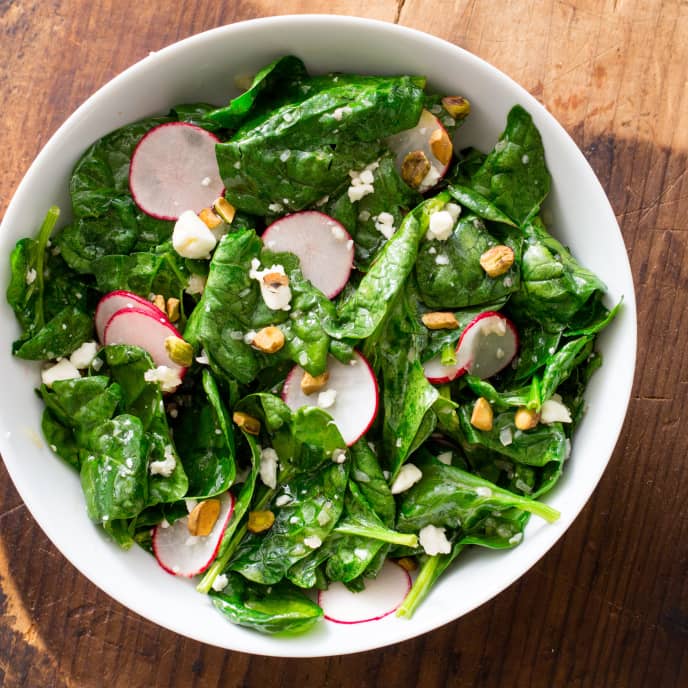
[(607, 606)]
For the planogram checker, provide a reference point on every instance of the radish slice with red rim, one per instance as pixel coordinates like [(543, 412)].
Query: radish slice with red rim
[(437, 373), (487, 345), (116, 301), (418, 138), (381, 597), (139, 327), (183, 554), (173, 169), (324, 247), (350, 395)]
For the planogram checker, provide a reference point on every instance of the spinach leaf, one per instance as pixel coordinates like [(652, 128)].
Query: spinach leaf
[(535, 447), (449, 496), (278, 608), (514, 175), (142, 399), (304, 149), (479, 205), (271, 84), (368, 476), (554, 286), (60, 336), (113, 469), (449, 273), (205, 442), (300, 526), (362, 311)]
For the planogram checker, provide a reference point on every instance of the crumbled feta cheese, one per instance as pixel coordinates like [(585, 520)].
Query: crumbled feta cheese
[(385, 224), (165, 467), (276, 297), (322, 200), (327, 398), (168, 378), (205, 181), (284, 155), (82, 357), (97, 364), (341, 112), (441, 225), (338, 232), (445, 457), (525, 159), (249, 337), (268, 467), (196, 284), (508, 282), (362, 182), (361, 553), (408, 476), (494, 326), (324, 516), (275, 207), (430, 179), (553, 411), (506, 436), (220, 583), (442, 259), (203, 358), (31, 276), (515, 538), (312, 541), (339, 455), (282, 500), (483, 491), (191, 237), (190, 504), (62, 370), (454, 210), (434, 541)]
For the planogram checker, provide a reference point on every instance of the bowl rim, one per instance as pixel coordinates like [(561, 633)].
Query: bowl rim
[(447, 614)]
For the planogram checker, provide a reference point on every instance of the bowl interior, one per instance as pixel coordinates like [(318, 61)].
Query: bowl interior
[(203, 68)]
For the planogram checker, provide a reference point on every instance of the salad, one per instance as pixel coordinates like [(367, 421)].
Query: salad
[(304, 347)]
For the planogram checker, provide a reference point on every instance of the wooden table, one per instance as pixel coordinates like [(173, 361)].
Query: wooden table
[(607, 606)]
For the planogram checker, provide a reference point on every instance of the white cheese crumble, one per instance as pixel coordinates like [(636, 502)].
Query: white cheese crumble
[(515, 538), (385, 224), (203, 358), (553, 411), (275, 207), (483, 491), (62, 370), (434, 541), (168, 378), (361, 553), (441, 225), (268, 467), (276, 297), (430, 179), (191, 237), (495, 325), (339, 455), (205, 181), (220, 583), (506, 436), (312, 541), (338, 232), (282, 500), (445, 457), (31, 276), (408, 476), (341, 112), (442, 259), (196, 284), (454, 210), (165, 467), (362, 182), (327, 398), (81, 358)]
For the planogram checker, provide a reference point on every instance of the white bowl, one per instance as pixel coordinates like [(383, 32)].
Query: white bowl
[(202, 68)]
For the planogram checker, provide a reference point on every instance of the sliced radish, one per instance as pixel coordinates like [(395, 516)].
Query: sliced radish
[(323, 246), (116, 301), (381, 597), (437, 373), (350, 395), (174, 169), (183, 554), (487, 345), (139, 327), (419, 138)]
